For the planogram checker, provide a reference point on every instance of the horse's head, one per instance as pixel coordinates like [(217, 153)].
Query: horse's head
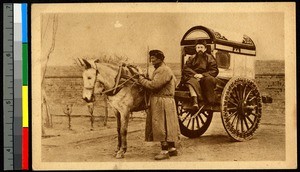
[(97, 77), (91, 85)]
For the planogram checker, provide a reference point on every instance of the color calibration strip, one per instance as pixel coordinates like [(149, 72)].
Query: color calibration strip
[(15, 70), (20, 87), (25, 131)]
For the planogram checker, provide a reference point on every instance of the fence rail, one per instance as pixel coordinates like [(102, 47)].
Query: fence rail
[(270, 74), (62, 76)]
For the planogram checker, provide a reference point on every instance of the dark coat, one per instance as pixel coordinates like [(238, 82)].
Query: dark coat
[(204, 64)]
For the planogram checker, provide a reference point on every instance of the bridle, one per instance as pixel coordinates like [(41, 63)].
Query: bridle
[(118, 85)]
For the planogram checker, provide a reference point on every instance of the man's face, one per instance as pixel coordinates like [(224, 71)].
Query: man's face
[(155, 60), (200, 47)]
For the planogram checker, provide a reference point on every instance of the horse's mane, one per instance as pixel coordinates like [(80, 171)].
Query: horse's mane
[(112, 59)]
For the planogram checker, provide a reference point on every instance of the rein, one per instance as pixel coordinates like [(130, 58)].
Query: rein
[(120, 85)]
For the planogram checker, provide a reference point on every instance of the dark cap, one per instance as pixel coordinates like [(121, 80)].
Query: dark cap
[(157, 53), (201, 41)]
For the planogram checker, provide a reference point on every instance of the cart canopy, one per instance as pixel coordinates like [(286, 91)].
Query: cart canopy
[(239, 44)]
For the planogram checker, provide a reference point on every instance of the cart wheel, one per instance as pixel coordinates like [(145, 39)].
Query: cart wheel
[(241, 108), (193, 123)]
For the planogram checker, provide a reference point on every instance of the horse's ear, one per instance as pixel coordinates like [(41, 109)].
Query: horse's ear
[(87, 64), (79, 62)]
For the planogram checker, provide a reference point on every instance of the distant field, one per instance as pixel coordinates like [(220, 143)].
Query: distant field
[(261, 67)]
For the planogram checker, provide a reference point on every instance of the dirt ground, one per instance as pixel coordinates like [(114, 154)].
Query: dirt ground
[(81, 144)]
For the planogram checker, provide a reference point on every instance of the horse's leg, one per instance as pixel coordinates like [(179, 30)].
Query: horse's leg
[(106, 111), (131, 116), (124, 126), (118, 130)]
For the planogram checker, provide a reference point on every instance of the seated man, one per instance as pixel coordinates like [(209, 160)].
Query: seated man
[(199, 74)]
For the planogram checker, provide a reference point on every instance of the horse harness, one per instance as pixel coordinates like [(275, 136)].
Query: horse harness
[(122, 75)]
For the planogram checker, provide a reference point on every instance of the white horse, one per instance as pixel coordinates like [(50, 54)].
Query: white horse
[(123, 92)]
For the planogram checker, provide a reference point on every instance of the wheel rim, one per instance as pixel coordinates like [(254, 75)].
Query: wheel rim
[(241, 109)]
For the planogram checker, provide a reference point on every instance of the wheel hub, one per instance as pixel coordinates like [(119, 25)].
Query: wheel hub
[(241, 107)]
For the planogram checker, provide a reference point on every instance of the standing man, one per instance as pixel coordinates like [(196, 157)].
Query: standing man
[(199, 73), (162, 122)]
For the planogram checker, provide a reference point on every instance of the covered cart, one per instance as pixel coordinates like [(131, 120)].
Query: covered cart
[(239, 99)]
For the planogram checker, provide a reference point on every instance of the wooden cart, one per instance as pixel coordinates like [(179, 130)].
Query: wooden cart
[(239, 99)]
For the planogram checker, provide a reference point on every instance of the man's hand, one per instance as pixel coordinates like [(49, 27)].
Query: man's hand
[(198, 76), (140, 71), (136, 71)]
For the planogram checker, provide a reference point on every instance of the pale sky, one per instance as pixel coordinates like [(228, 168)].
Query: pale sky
[(129, 34)]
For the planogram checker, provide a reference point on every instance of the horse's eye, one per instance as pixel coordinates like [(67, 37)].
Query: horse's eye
[(89, 78)]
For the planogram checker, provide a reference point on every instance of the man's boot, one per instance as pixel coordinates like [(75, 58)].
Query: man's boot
[(164, 154), (195, 102)]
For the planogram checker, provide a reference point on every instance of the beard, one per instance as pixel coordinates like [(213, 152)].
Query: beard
[(200, 52)]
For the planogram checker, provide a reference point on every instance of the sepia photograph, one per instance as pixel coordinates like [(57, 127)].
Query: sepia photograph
[(163, 86)]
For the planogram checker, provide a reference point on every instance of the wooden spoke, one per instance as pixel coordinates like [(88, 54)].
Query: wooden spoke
[(250, 120), (251, 99), (188, 124), (230, 101), (251, 113), (242, 125), (202, 121), (185, 117), (234, 97), (233, 108), (231, 115), (206, 115), (246, 123), (197, 122), (193, 123), (237, 122), (244, 92), (234, 119), (248, 94), (240, 91), (237, 94)]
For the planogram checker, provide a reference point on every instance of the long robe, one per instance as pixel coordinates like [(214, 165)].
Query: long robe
[(162, 121)]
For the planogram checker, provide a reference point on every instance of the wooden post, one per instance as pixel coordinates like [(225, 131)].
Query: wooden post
[(68, 110), (49, 116), (46, 116)]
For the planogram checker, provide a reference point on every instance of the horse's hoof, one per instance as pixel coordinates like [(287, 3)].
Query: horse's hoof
[(120, 155), (117, 149)]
